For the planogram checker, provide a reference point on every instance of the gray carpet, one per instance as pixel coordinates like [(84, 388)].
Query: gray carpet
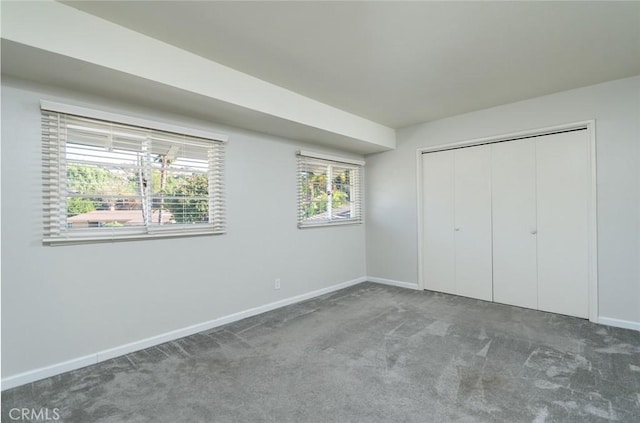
[(369, 353)]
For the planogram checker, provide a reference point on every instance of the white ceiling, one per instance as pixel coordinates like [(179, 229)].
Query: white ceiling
[(399, 63)]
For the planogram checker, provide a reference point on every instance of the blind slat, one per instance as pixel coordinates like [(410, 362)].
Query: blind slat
[(329, 191), (119, 181)]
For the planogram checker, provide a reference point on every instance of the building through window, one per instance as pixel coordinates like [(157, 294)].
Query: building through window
[(106, 179)]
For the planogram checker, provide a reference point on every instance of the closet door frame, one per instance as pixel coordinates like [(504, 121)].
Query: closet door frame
[(590, 127)]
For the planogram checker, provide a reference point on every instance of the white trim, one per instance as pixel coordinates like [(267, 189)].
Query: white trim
[(391, 282), (619, 323), (589, 125), (510, 136), (56, 369), (129, 120), (75, 239), (420, 225), (593, 223), (330, 157), (325, 223), (48, 371)]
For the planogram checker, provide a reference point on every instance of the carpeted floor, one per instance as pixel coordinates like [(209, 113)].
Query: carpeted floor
[(369, 353)]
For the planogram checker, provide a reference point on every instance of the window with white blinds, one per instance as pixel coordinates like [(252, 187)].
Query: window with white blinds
[(109, 180), (329, 190)]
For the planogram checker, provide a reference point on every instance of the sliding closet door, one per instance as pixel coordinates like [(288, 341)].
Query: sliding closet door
[(438, 241), (562, 204), (472, 181), (514, 223)]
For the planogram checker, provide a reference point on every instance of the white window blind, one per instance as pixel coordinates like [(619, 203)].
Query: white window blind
[(105, 180), (329, 190)]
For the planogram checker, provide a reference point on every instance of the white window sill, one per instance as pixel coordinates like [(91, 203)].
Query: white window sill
[(329, 223), (102, 238)]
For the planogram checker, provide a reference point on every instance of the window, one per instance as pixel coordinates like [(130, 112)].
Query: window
[(111, 177), (329, 190)]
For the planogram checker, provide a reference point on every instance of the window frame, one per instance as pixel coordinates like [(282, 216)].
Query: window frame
[(55, 194), (306, 159)]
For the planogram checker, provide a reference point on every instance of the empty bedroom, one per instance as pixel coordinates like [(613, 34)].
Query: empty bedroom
[(320, 211)]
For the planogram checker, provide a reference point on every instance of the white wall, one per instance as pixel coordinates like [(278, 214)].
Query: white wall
[(60, 303), (391, 184)]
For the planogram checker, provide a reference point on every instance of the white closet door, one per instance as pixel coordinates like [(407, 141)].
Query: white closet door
[(562, 204), (438, 241), (515, 278), (472, 180)]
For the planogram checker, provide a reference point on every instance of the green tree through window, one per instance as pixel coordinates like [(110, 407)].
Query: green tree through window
[(327, 192)]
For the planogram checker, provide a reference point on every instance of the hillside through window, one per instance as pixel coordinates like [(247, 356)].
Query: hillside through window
[(108, 180)]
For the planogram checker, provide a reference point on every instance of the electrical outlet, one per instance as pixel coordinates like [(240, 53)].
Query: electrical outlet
[(276, 284)]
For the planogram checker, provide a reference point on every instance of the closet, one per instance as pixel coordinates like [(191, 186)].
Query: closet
[(457, 185), (508, 222)]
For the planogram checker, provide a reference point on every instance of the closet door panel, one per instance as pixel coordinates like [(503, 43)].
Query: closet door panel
[(514, 223), (562, 204), (438, 245), (472, 181)]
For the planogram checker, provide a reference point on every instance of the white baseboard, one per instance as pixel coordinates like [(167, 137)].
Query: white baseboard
[(56, 369), (408, 285), (48, 371), (626, 324)]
